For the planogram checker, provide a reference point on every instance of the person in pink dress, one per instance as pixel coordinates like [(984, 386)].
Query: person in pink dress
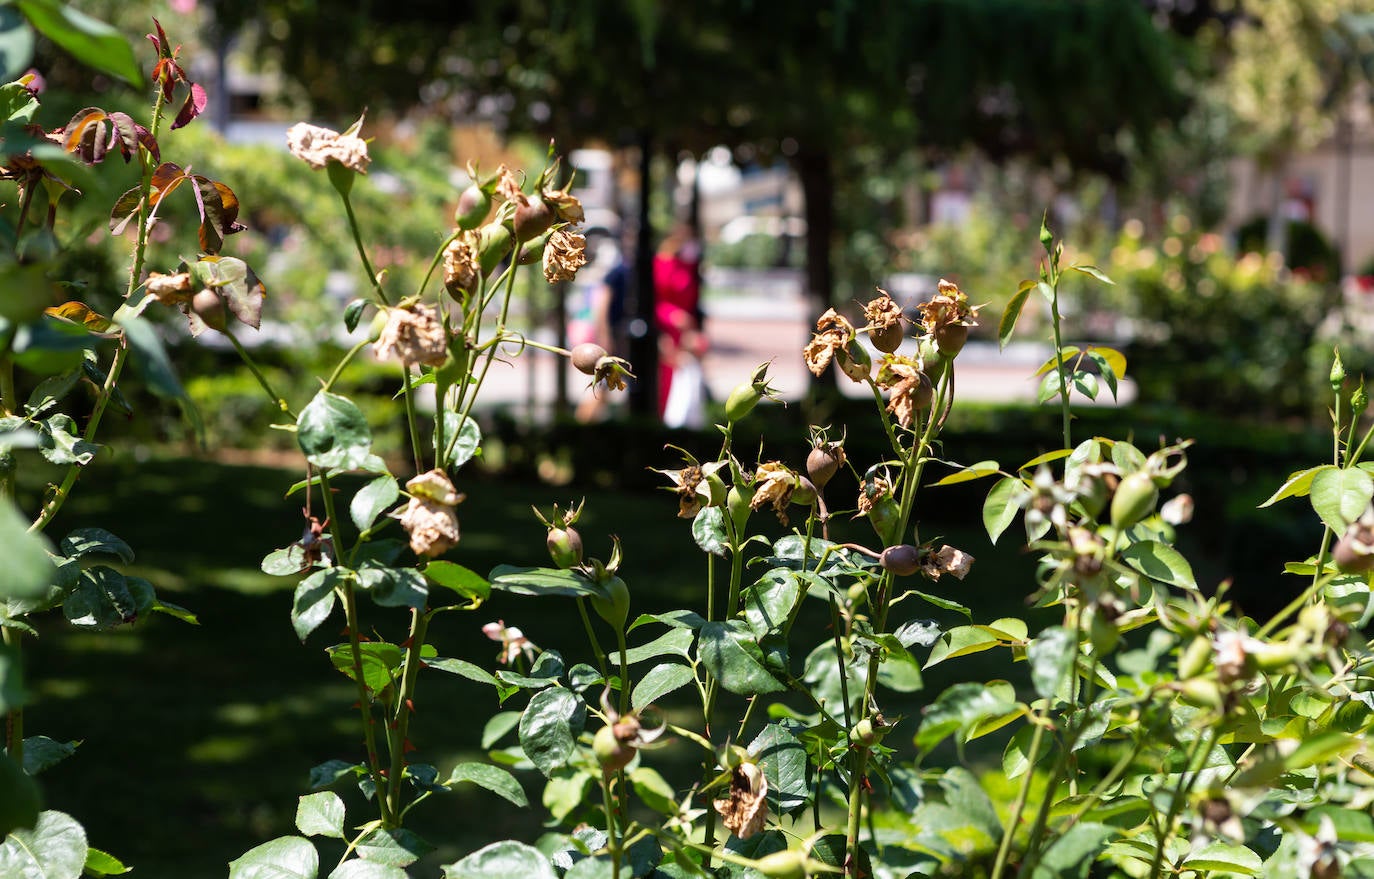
[(677, 305)]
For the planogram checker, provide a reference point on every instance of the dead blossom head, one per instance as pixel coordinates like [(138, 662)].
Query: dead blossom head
[(745, 810), (774, 484), (910, 389), (413, 334), (831, 341), (462, 265), (174, 289), (430, 516), (948, 307), (565, 253), (320, 146), (508, 185), (946, 560)]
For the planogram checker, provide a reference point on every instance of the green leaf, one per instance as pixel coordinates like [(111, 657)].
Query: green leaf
[(971, 472), (769, 603), (19, 798), (783, 758), (41, 752), (498, 725), (99, 863), (103, 599), (732, 655), (502, 860), (1340, 496), (1017, 758), (543, 581), (284, 562), (397, 848), (1002, 505), (492, 778), (28, 566), (549, 727), (1319, 748), (51, 391), (61, 444), (359, 869), (674, 642), (465, 582), (95, 541), (468, 440), (380, 661), (372, 500), (961, 641), (55, 848), (462, 668), (942, 603), (658, 682), (708, 529), (1160, 562), (1051, 656), (286, 857), (331, 771), (1007, 325), (314, 600), (1072, 853), (320, 814), (1094, 272), (1224, 857), (962, 706), (654, 790), (16, 47), (333, 433), (393, 587), (1297, 484), (88, 40)]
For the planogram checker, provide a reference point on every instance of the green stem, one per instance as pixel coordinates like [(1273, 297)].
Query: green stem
[(412, 421), (1019, 807), (347, 358), (59, 497), (1295, 605), (399, 730), (597, 651), (612, 836), (438, 258), (145, 188), (14, 718), (362, 251), (1186, 781), (277, 399), (624, 670), (1059, 359)]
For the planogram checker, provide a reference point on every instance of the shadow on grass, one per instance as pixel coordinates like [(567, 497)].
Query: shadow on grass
[(197, 740)]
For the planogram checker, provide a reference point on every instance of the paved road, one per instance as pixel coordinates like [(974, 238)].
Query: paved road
[(745, 331)]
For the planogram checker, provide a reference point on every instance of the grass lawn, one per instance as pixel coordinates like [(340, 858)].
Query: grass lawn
[(197, 740)]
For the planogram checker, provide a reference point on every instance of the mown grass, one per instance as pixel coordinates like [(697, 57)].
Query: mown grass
[(197, 740)]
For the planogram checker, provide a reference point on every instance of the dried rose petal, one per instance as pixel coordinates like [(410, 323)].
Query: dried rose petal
[(320, 146), (565, 253), (413, 335), (746, 809)]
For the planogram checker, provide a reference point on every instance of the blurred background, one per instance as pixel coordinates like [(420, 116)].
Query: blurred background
[(1215, 159)]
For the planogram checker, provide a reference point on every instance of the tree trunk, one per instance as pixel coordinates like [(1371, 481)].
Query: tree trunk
[(642, 335)]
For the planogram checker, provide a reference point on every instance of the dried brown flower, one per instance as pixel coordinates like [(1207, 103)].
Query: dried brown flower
[(431, 517), (508, 185), (883, 313), (831, 341), (871, 491), (566, 205), (946, 560), (173, 289), (414, 334), (911, 390), (773, 484), (746, 809), (320, 146), (565, 253), (948, 307), (462, 264), (611, 370)]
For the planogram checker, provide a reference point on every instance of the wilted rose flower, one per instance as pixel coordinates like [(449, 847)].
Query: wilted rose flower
[(831, 341), (746, 809), (884, 318), (1231, 652), (508, 185), (871, 491), (773, 484), (462, 264), (565, 253), (911, 390), (173, 289), (946, 560), (1178, 510), (431, 517), (513, 641), (693, 489), (566, 205), (320, 146), (611, 370), (413, 334)]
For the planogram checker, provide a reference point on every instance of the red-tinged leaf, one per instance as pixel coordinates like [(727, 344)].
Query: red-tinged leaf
[(131, 135), (219, 213), (166, 178), (85, 137), (125, 209), (194, 106), (232, 278), (159, 40)]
